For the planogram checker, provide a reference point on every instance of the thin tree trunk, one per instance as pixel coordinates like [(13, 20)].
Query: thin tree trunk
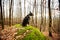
[(2, 23), (30, 10), (20, 12), (59, 5), (59, 19), (9, 14), (35, 14), (3, 13), (24, 8), (50, 19), (41, 17), (12, 10), (10, 7), (44, 15)]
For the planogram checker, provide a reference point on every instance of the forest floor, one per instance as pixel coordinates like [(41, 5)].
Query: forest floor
[(13, 30), (54, 36)]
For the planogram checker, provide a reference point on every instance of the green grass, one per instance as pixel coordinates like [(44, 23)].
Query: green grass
[(35, 34)]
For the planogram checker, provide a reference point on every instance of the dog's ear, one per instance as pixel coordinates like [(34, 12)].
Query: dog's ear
[(30, 11), (31, 14)]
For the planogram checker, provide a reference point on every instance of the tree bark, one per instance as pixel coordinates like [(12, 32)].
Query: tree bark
[(41, 16), (2, 23), (20, 12), (10, 8), (3, 13), (35, 14), (24, 8), (59, 19), (50, 19), (33, 20), (59, 5)]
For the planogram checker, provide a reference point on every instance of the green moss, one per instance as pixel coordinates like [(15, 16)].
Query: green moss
[(19, 32), (34, 33), (18, 25)]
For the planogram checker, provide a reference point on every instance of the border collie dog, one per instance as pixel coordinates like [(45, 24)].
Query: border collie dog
[(26, 19)]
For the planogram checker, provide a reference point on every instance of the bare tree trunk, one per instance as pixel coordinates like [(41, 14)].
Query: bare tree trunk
[(2, 23), (9, 14), (12, 10), (59, 19), (24, 8), (44, 15), (30, 22), (41, 17), (35, 19), (59, 5), (20, 12), (3, 13), (50, 19), (10, 7), (35, 14)]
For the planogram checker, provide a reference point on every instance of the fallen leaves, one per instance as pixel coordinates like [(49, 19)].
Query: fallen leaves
[(8, 34)]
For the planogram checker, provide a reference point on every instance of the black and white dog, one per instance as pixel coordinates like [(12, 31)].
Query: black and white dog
[(26, 19)]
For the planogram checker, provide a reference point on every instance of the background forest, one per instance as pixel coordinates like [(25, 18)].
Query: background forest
[(46, 14)]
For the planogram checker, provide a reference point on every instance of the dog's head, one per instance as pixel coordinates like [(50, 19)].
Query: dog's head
[(30, 14)]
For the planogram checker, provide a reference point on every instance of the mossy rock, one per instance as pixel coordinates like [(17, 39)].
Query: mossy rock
[(29, 33)]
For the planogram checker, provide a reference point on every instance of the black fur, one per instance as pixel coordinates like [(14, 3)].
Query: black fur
[(26, 19)]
